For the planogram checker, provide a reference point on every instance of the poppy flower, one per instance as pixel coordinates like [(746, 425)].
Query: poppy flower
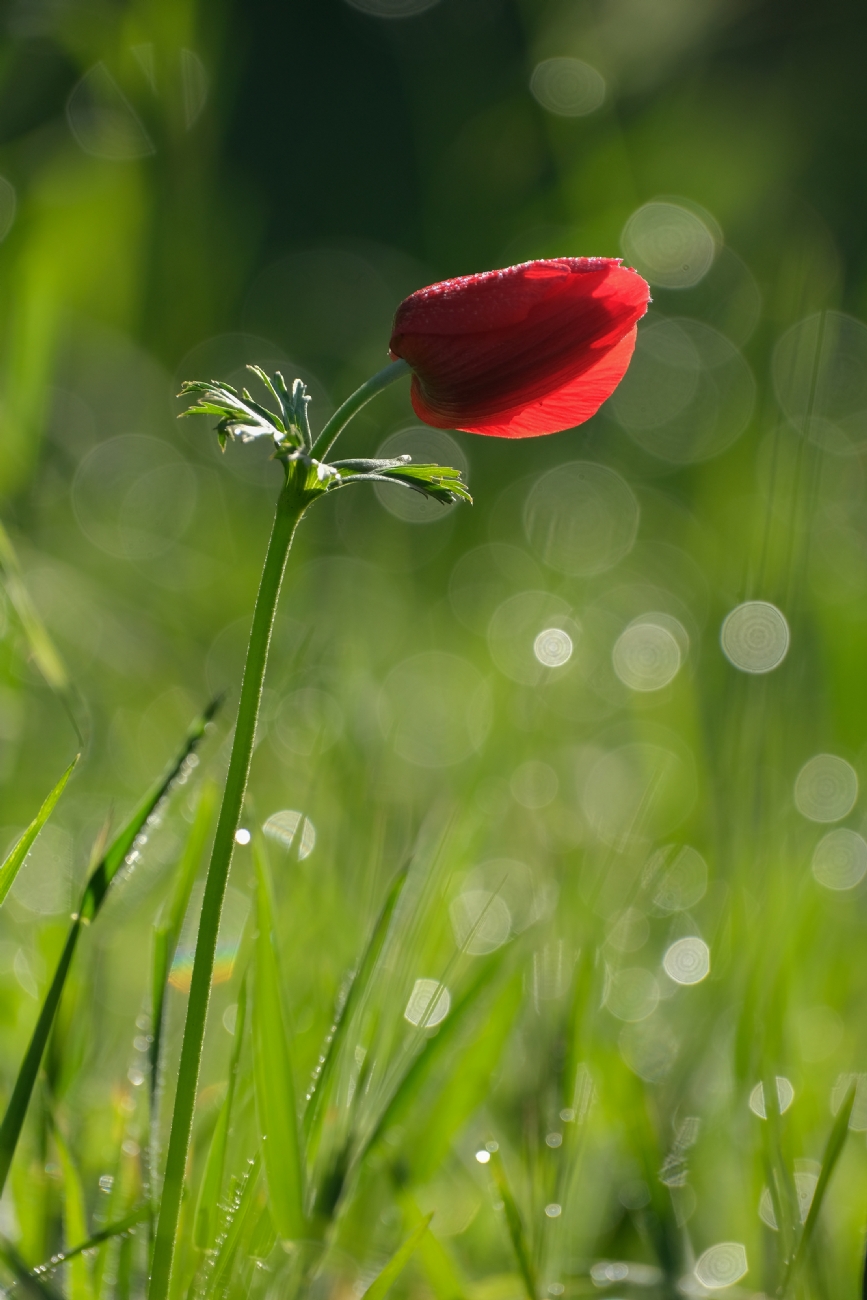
[(529, 350)]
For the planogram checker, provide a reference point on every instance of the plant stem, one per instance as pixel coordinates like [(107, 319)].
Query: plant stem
[(291, 505), (361, 396)]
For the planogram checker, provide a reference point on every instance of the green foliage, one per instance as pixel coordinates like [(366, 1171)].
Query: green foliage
[(12, 864)]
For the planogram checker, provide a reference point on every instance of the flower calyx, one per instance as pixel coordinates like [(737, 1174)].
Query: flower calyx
[(240, 416)]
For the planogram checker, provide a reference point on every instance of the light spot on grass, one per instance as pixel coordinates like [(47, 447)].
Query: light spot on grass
[(755, 637), (428, 1004), (722, 1265), (785, 1097), (826, 788)]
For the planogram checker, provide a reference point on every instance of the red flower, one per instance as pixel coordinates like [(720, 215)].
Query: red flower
[(516, 353)]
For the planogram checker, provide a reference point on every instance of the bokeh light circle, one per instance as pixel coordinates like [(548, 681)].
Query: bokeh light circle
[(426, 446), (840, 860), (581, 518), (687, 961), (826, 788), (688, 393), (820, 379), (553, 647), (755, 637), (670, 245), (646, 657), (567, 87), (134, 496), (722, 1265)]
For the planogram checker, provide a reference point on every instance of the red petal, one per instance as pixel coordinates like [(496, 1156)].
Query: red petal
[(522, 349), (571, 404)]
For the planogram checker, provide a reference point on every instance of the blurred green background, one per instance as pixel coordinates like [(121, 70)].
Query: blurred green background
[(188, 188)]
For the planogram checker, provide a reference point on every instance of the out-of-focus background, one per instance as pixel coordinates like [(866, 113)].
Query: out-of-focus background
[(188, 188)]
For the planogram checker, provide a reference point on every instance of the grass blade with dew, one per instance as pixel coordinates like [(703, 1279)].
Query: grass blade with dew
[(272, 1071), (167, 927), (207, 1205), (36, 1288), (43, 650), (833, 1151), (126, 1224), (10, 868), (357, 989), (515, 1224), (233, 1228), (95, 890), (74, 1220), (385, 1280)]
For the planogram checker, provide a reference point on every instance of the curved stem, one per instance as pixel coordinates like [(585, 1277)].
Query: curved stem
[(290, 507), (353, 404)]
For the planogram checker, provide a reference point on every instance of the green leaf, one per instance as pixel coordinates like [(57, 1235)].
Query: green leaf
[(168, 926), (833, 1150), (92, 899), (207, 1205), (383, 1282), (241, 416), (439, 482), (357, 990), (10, 868), (274, 1083), (74, 1220), (515, 1224)]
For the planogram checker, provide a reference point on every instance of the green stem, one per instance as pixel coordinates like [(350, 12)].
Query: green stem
[(353, 404), (291, 505)]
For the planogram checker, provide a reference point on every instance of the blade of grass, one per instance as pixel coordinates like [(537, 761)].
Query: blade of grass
[(470, 1078), (168, 927), (432, 1053), (272, 1072), (238, 1214), (441, 1269), (833, 1151), (9, 869), (74, 1220), (94, 894), (45, 654), (515, 1224), (38, 1288), (357, 990), (205, 1219), (383, 1282), (131, 1220)]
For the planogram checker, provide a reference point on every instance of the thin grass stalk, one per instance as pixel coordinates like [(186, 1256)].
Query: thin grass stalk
[(290, 507)]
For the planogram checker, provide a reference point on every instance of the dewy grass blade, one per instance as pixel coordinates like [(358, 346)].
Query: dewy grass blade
[(383, 1282), (272, 1069), (126, 1224), (37, 1288), (74, 1220), (207, 1205), (239, 1212), (10, 868), (94, 894), (833, 1151), (515, 1225), (168, 927), (357, 990)]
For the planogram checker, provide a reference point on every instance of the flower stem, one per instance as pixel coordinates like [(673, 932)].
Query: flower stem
[(361, 396), (291, 505)]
